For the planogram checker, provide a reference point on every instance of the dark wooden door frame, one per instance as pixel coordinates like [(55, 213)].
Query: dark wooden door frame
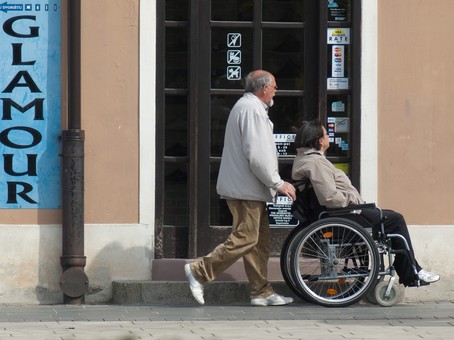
[(199, 235)]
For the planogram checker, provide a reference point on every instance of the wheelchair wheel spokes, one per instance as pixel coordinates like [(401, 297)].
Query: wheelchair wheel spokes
[(333, 262)]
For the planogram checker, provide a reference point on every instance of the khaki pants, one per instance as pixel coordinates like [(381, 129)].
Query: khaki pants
[(250, 239)]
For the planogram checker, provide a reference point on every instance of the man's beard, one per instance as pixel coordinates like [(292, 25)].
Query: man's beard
[(271, 103)]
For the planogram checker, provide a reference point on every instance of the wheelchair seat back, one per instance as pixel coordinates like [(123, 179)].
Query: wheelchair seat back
[(306, 207)]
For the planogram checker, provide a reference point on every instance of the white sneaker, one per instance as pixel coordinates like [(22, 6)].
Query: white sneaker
[(196, 286), (272, 300), (428, 277)]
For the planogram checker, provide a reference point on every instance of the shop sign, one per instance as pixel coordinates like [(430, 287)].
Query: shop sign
[(30, 104)]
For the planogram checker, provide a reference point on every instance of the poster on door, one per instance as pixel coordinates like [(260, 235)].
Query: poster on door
[(280, 214), (30, 82), (285, 144)]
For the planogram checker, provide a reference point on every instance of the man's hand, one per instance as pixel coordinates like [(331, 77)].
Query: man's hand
[(288, 190)]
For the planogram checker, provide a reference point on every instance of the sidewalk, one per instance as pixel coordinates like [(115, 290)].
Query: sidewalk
[(434, 320)]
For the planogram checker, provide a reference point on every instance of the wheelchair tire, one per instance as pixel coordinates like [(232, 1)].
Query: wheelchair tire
[(395, 295), (334, 262), (285, 260)]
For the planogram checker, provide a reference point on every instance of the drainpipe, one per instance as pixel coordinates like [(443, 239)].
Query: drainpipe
[(73, 281)]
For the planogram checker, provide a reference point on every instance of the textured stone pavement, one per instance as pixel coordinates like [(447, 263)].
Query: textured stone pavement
[(419, 320)]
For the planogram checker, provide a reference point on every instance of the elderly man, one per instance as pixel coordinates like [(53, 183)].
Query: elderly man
[(248, 178)]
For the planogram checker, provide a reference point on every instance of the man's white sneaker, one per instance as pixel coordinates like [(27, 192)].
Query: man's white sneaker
[(195, 286), (428, 277), (272, 300)]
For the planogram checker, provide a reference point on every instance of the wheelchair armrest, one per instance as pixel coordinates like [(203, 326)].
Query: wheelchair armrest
[(352, 207), (299, 182)]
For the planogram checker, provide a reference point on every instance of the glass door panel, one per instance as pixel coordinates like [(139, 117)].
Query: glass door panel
[(231, 10), (283, 55), (287, 113), (283, 11), (176, 122), (176, 66), (220, 110), (176, 194), (231, 57)]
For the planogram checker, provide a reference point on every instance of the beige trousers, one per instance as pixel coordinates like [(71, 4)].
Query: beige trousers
[(250, 239)]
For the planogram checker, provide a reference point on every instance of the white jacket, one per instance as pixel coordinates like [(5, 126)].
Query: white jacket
[(249, 167)]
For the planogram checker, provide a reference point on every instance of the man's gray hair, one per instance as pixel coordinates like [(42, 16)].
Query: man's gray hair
[(253, 83)]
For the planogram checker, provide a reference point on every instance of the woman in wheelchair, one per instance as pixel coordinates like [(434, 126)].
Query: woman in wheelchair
[(334, 189)]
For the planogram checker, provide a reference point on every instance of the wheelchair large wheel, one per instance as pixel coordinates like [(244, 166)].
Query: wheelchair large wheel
[(285, 261), (334, 262)]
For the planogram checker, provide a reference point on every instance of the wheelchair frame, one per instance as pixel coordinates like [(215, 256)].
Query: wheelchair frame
[(336, 262)]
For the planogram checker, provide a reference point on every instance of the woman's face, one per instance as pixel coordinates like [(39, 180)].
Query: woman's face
[(324, 141)]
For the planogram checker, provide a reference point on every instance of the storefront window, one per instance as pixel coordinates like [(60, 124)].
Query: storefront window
[(283, 11), (231, 10), (283, 55)]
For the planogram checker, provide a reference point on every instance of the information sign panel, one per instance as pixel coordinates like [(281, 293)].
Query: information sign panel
[(30, 85)]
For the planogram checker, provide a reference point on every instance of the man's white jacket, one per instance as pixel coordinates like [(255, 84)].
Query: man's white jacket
[(249, 167)]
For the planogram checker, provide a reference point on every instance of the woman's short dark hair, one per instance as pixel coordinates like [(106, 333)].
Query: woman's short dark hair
[(309, 134)]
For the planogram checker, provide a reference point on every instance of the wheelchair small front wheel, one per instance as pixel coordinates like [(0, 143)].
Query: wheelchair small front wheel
[(387, 301)]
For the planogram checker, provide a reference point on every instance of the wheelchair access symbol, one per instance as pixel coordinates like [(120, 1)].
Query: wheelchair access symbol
[(233, 72)]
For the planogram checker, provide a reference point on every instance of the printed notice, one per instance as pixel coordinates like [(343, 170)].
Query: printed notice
[(285, 144), (279, 213), (337, 84)]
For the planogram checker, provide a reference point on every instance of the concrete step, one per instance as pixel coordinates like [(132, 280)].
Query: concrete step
[(178, 292), (169, 285), (173, 270)]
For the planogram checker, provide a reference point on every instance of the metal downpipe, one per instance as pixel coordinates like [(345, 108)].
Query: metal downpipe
[(73, 281)]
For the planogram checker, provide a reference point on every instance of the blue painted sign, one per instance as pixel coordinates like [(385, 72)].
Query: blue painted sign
[(30, 104)]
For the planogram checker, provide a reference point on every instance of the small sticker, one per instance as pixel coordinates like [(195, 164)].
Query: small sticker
[(337, 83), (233, 72), (338, 61), (233, 57), (234, 39), (338, 36), (338, 106)]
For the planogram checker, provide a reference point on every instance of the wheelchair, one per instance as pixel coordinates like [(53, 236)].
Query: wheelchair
[(332, 260)]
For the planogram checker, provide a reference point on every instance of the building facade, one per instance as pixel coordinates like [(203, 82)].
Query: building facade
[(157, 82)]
